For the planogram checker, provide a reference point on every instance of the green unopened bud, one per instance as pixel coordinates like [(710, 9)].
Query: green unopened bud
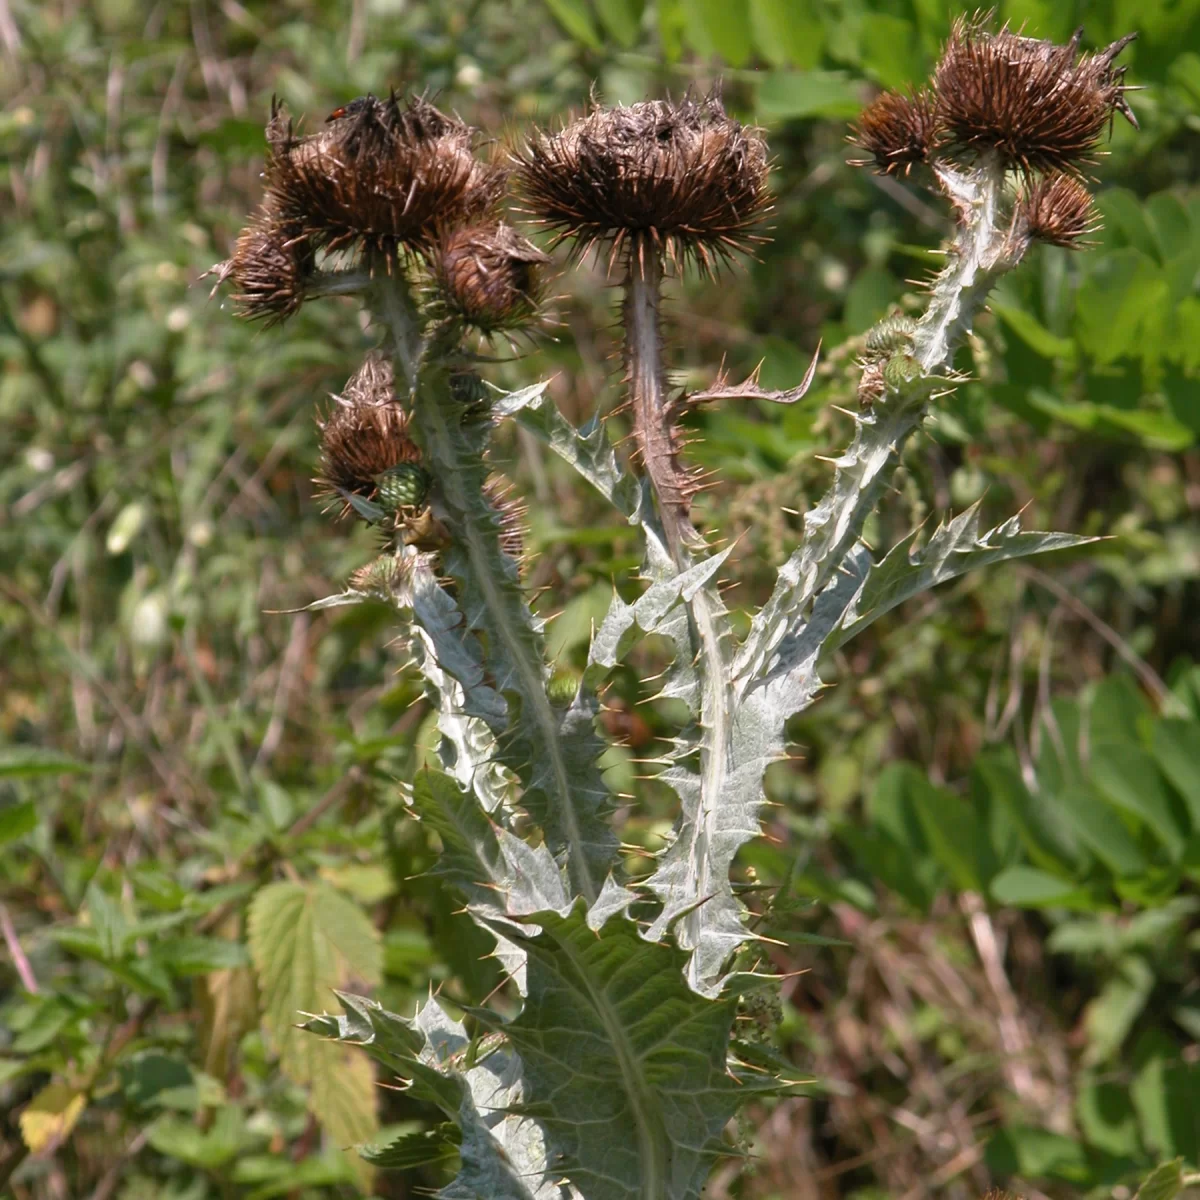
[(899, 371), (562, 686), (403, 486), (891, 335)]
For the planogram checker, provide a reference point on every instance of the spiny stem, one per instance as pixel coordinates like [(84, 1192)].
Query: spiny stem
[(647, 388)]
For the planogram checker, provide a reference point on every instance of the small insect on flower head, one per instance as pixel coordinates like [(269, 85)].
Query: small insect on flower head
[(674, 179), (1040, 106)]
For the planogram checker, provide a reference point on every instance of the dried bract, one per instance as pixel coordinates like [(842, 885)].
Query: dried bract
[(1059, 210), (490, 276), (897, 130), (1041, 106), (673, 179), (364, 435), (382, 177), (270, 264)]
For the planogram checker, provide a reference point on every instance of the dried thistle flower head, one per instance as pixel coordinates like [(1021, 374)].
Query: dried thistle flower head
[(672, 179), (1041, 106), (490, 276), (381, 177), (1058, 209), (898, 130), (364, 435), (270, 263)]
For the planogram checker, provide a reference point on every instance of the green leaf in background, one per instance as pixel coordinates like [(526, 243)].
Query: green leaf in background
[(1128, 777), (1120, 304), (1174, 746), (1166, 1094), (621, 18), (307, 940), (1028, 887), (792, 95), (1112, 1014), (29, 762), (16, 820), (1101, 829), (1037, 1153), (787, 33), (889, 48), (1165, 1182), (575, 16), (720, 27), (146, 1076)]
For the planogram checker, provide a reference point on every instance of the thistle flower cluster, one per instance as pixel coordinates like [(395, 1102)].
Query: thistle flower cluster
[(384, 183), (1038, 108)]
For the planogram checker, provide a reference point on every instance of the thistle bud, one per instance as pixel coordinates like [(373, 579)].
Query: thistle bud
[(1058, 210), (270, 265), (404, 486), (898, 131), (490, 276), (386, 578), (899, 371), (364, 439), (671, 179), (382, 176), (1040, 106), (890, 335)]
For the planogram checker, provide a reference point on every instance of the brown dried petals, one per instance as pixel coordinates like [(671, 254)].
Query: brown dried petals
[(364, 434), (270, 264), (897, 130), (490, 276), (674, 179), (381, 177), (1058, 209), (1042, 106)]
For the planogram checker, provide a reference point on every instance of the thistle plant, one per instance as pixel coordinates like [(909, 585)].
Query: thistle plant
[(623, 1067)]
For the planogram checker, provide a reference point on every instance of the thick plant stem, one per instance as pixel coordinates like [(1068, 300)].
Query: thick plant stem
[(658, 442), (981, 253), (652, 425), (564, 792)]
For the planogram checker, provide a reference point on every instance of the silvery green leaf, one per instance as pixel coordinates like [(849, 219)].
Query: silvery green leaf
[(553, 754), (503, 1153), (955, 548)]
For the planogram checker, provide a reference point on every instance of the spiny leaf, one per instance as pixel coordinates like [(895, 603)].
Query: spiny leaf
[(502, 1151), (624, 1066), (955, 548), (554, 754)]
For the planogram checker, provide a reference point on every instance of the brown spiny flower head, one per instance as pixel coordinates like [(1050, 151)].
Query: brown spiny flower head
[(271, 262), (1058, 209), (364, 435), (897, 130), (677, 179), (1041, 106), (489, 276), (382, 176)]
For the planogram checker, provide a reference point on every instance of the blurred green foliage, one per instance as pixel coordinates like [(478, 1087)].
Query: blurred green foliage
[(986, 865)]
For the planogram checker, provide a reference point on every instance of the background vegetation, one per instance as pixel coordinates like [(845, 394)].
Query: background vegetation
[(990, 849)]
